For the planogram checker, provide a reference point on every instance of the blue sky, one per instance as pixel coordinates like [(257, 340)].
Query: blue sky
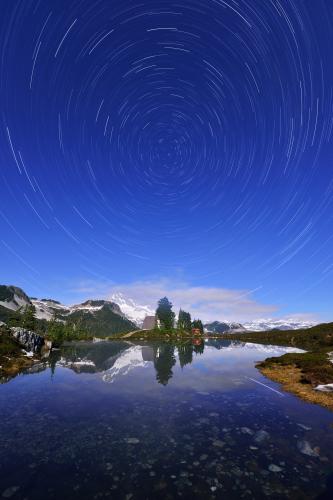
[(184, 145)]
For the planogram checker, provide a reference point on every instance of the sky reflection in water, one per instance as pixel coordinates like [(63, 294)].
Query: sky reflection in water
[(124, 420)]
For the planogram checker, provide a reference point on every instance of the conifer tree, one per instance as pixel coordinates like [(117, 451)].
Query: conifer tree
[(197, 323), (165, 313), (29, 318)]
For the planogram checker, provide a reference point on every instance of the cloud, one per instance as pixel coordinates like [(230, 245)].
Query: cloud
[(206, 303)]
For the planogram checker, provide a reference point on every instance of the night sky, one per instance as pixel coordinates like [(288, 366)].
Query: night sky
[(184, 143)]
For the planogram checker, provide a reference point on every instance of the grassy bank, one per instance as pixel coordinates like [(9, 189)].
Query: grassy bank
[(299, 373), (155, 334)]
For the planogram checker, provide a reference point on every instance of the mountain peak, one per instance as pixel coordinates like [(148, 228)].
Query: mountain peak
[(134, 311)]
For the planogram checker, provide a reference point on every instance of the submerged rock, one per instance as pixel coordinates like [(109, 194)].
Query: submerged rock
[(246, 430), (9, 492), (305, 448), (132, 440), (261, 436), (274, 468), (218, 443)]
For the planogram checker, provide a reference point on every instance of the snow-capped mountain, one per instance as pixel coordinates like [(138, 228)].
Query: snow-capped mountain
[(47, 308), (223, 327), (133, 311), (100, 317), (261, 325), (15, 299), (96, 305)]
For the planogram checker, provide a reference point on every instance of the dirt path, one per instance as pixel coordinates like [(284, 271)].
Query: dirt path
[(129, 335)]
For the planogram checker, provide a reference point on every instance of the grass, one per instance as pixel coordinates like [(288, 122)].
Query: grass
[(156, 334), (314, 365), (292, 380)]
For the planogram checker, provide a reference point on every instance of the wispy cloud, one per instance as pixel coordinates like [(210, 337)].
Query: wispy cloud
[(207, 303)]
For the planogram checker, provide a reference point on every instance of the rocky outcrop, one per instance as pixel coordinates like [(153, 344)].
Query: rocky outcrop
[(29, 340)]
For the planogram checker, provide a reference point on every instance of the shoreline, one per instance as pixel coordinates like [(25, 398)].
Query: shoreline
[(290, 379), (299, 373)]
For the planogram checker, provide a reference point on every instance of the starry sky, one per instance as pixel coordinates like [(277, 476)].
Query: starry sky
[(164, 143)]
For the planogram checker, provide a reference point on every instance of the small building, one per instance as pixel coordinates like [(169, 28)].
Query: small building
[(196, 331), (149, 323)]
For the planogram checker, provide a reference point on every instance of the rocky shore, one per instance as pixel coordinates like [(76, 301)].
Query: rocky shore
[(19, 350)]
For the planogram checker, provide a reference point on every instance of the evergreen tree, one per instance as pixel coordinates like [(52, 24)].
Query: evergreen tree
[(197, 323), (184, 320), (29, 318), (165, 313), (187, 321), (180, 323)]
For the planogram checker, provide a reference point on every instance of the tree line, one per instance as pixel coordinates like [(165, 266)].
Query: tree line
[(166, 318)]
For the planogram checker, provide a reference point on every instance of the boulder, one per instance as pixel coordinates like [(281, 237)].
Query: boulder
[(30, 341)]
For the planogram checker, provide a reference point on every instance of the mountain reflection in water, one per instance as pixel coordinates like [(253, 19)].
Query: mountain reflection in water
[(114, 359)]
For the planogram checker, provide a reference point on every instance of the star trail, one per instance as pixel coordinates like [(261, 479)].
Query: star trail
[(169, 140)]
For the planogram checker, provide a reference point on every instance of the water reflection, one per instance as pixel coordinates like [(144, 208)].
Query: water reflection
[(113, 359), (158, 420), (116, 359)]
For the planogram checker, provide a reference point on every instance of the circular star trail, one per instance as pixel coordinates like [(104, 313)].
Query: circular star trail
[(165, 135)]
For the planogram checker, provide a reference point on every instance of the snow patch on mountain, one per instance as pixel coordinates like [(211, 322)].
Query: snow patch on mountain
[(262, 325), (47, 308), (134, 312)]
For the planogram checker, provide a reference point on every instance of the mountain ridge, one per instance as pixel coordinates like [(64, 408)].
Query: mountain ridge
[(14, 298)]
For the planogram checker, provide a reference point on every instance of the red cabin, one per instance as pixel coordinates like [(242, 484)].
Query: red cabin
[(196, 331)]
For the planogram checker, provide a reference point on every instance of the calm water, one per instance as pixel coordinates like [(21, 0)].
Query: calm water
[(158, 421)]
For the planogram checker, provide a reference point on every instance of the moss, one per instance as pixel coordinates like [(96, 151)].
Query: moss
[(315, 366)]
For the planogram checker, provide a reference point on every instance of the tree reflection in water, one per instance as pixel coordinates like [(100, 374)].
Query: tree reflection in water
[(165, 359)]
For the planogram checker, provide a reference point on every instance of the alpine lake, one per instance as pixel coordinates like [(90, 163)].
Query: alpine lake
[(155, 420)]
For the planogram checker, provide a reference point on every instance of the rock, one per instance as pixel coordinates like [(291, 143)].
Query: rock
[(261, 436), (28, 339), (132, 440), (246, 430), (274, 468), (324, 388), (218, 443), (9, 492), (305, 448), (305, 427)]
